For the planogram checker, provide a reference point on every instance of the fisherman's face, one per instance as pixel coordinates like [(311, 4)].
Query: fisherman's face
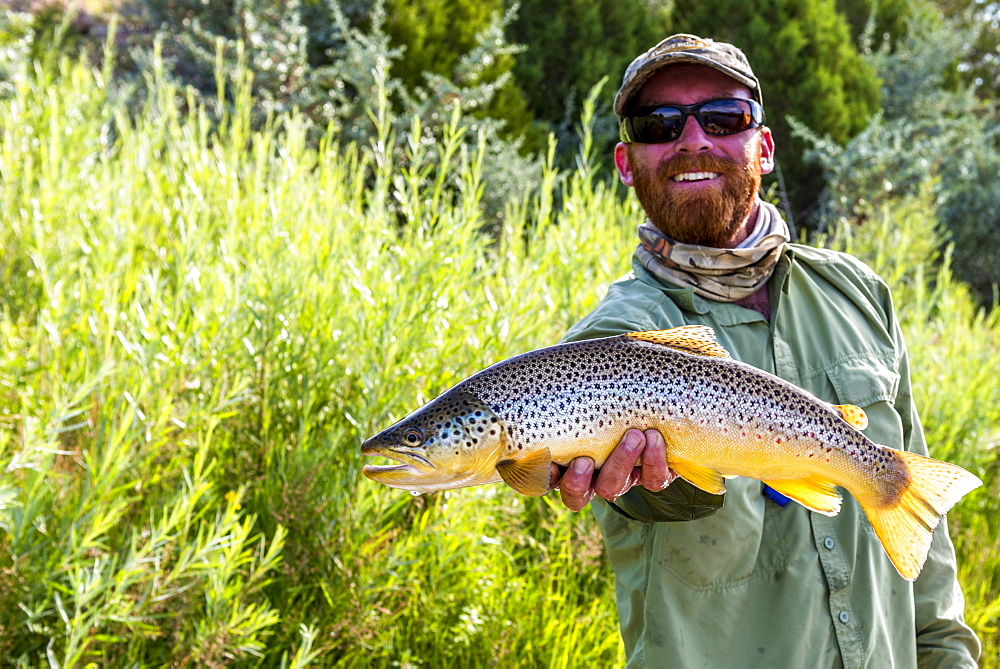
[(670, 178)]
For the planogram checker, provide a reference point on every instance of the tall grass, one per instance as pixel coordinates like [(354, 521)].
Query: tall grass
[(199, 326)]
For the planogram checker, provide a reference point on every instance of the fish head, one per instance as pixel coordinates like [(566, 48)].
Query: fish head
[(452, 442)]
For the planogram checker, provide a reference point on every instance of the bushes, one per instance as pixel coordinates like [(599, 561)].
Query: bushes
[(207, 324), (928, 132), (332, 61), (569, 47)]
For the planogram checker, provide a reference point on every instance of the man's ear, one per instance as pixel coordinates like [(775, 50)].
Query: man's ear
[(766, 150), (623, 164)]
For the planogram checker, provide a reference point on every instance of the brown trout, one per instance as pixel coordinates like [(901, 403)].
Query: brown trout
[(719, 418)]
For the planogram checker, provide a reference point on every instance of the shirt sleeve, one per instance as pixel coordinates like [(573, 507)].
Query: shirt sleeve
[(943, 638)]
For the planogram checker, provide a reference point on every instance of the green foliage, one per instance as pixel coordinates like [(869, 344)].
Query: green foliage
[(928, 132), (979, 65), (433, 36), (15, 47), (877, 20), (331, 71), (200, 322), (570, 46), (216, 17), (809, 69), (435, 33), (269, 40), (46, 33)]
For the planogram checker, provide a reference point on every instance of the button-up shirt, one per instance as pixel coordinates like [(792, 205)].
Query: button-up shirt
[(760, 582)]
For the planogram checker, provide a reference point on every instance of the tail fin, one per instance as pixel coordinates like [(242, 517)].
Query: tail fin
[(907, 527)]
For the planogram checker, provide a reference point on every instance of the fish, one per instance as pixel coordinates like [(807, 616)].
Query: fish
[(719, 417)]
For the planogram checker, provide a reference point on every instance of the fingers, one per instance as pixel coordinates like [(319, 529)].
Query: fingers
[(656, 475), (639, 458), (576, 486), (619, 473), (555, 473)]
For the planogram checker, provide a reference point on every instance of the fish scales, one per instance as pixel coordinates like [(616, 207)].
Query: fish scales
[(719, 418), (580, 393)]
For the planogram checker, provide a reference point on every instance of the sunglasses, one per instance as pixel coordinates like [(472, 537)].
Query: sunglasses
[(726, 116)]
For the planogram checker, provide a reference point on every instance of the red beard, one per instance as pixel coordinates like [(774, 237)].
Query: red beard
[(713, 217)]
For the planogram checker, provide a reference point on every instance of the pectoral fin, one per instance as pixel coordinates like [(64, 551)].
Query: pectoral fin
[(528, 475), (707, 479), (813, 493)]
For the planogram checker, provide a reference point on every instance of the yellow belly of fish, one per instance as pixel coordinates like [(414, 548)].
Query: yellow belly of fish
[(904, 502), (806, 471)]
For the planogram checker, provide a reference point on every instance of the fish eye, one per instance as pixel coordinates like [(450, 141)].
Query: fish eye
[(413, 437)]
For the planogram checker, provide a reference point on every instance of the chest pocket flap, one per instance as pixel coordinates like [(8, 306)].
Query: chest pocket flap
[(863, 381)]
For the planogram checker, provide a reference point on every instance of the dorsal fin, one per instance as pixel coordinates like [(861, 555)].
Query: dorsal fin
[(697, 339)]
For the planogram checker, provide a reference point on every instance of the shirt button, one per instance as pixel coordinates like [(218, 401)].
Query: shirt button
[(828, 542), (845, 617)]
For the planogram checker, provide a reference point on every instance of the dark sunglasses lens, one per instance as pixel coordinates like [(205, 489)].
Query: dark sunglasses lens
[(716, 117), (725, 117), (663, 125)]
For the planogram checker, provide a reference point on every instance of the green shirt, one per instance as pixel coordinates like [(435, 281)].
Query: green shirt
[(756, 584)]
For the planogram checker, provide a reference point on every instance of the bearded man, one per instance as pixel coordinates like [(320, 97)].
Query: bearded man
[(756, 582)]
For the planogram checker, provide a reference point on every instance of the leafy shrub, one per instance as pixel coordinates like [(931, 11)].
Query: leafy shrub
[(927, 132), (332, 62), (209, 318), (570, 46), (877, 20), (15, 46)]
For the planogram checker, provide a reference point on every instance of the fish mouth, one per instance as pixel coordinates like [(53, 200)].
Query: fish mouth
[(408, 463)]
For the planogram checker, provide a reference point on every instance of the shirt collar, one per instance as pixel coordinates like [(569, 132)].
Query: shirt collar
[(683, 296)]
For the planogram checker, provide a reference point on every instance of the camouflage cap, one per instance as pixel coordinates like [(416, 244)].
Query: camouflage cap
[(724, 57)]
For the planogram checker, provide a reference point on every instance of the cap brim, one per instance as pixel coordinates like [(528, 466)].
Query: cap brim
[(645, 73)]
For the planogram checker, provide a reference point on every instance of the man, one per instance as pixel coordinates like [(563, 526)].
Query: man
[(757, 582)]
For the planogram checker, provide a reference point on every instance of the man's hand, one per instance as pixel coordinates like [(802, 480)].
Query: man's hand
[(622, 470)]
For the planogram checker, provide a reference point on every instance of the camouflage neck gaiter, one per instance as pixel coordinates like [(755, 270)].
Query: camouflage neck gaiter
[(724, 275)]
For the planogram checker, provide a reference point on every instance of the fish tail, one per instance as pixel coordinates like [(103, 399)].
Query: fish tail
[(906, 526)]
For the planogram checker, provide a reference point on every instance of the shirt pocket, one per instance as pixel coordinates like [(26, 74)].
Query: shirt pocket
[(864, 381), (716, 552), (872, 384)]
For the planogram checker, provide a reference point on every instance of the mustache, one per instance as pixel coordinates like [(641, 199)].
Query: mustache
[(696, 163)]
